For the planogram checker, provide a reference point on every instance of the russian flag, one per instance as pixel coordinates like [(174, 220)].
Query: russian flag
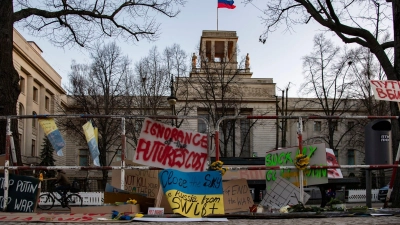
[(226, 4)]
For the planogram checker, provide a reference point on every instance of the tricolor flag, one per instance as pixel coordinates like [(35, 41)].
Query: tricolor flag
[(226, 4)]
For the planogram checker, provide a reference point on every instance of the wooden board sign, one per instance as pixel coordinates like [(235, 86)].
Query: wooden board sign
[(22, 193)]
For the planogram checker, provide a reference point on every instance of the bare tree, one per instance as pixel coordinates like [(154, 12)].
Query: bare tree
[(102, 88), (71, 22), (152, 82), (353, 21), (326, 80)]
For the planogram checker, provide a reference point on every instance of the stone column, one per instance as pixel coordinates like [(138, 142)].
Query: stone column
[(28, 122), (42, 110)]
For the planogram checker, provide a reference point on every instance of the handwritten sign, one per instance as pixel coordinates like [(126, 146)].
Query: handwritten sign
[(22, 193), (193, 194), (387, 90), (144, 182), (287, 156), (155, 211), (282, 193), (237, 196), (164, 146)]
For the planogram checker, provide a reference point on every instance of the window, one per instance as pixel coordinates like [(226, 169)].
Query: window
[(118, 155), (350, 158), (83, 157), (33, 150), (34, 120), (201, 125), (245, 138), (47, 103), (335, 125), (22, 84), (35, 94), (317, 125), (20, 140)]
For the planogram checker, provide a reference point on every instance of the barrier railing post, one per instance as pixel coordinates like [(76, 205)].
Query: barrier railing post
[(301, 174), (123, 136), (6, 164)]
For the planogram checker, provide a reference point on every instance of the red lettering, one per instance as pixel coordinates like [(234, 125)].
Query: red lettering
[(86, 218), (377, 83), (196, 139), (188, 138), (380, 93), (167, 134), (174, 134), (143, 147), (28, 218), (204, 142), (181, 136), (148, 122), (160, 131), (188, 160)]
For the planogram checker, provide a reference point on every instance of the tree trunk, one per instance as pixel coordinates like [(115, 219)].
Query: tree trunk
[(9, 78), (395, 109)]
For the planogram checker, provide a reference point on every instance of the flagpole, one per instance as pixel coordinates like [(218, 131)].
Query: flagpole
[(217, 18)]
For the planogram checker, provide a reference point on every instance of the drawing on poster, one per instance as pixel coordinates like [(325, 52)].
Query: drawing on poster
[(282, 193)]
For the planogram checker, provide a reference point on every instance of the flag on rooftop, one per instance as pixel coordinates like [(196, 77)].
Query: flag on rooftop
[(226, 4)]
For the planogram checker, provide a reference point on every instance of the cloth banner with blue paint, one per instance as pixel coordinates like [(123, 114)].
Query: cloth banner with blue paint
[(193, 194), (88, 129), (53, 134)]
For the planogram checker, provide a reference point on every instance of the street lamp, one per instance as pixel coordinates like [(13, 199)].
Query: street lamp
[(172, 99)]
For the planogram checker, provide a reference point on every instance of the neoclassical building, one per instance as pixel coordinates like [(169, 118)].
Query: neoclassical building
[(41, 93)]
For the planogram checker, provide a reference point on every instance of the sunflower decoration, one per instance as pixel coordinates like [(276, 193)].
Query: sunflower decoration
[(302, 161), (131, 201), (217, 166)]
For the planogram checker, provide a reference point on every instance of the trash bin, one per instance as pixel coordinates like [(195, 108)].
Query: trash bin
[(378, 142)]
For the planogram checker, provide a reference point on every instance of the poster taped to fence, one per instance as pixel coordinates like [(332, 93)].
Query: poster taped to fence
[(286, 157), (386, 90), (193, 194), (164, 146)]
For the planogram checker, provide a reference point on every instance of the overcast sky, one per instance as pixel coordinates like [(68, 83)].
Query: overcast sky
[(279, 58)]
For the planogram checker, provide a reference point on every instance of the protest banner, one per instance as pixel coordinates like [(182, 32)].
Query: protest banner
[(144, 182), (22, 193), (332, 161), (386, 90), (193, 194), (286, 157), (53, 134), (237, 196), (164, 146), (89, 131)]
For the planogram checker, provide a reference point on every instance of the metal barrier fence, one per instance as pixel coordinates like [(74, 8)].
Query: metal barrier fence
[(123, 167)]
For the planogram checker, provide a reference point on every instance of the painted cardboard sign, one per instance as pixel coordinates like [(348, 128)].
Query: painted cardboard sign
[(282, 193), (193, 194), (52, 217), (164, 146), (237, 196), (286, 157), (22, 193), (332, 161), (386, 90), (144, 182)]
